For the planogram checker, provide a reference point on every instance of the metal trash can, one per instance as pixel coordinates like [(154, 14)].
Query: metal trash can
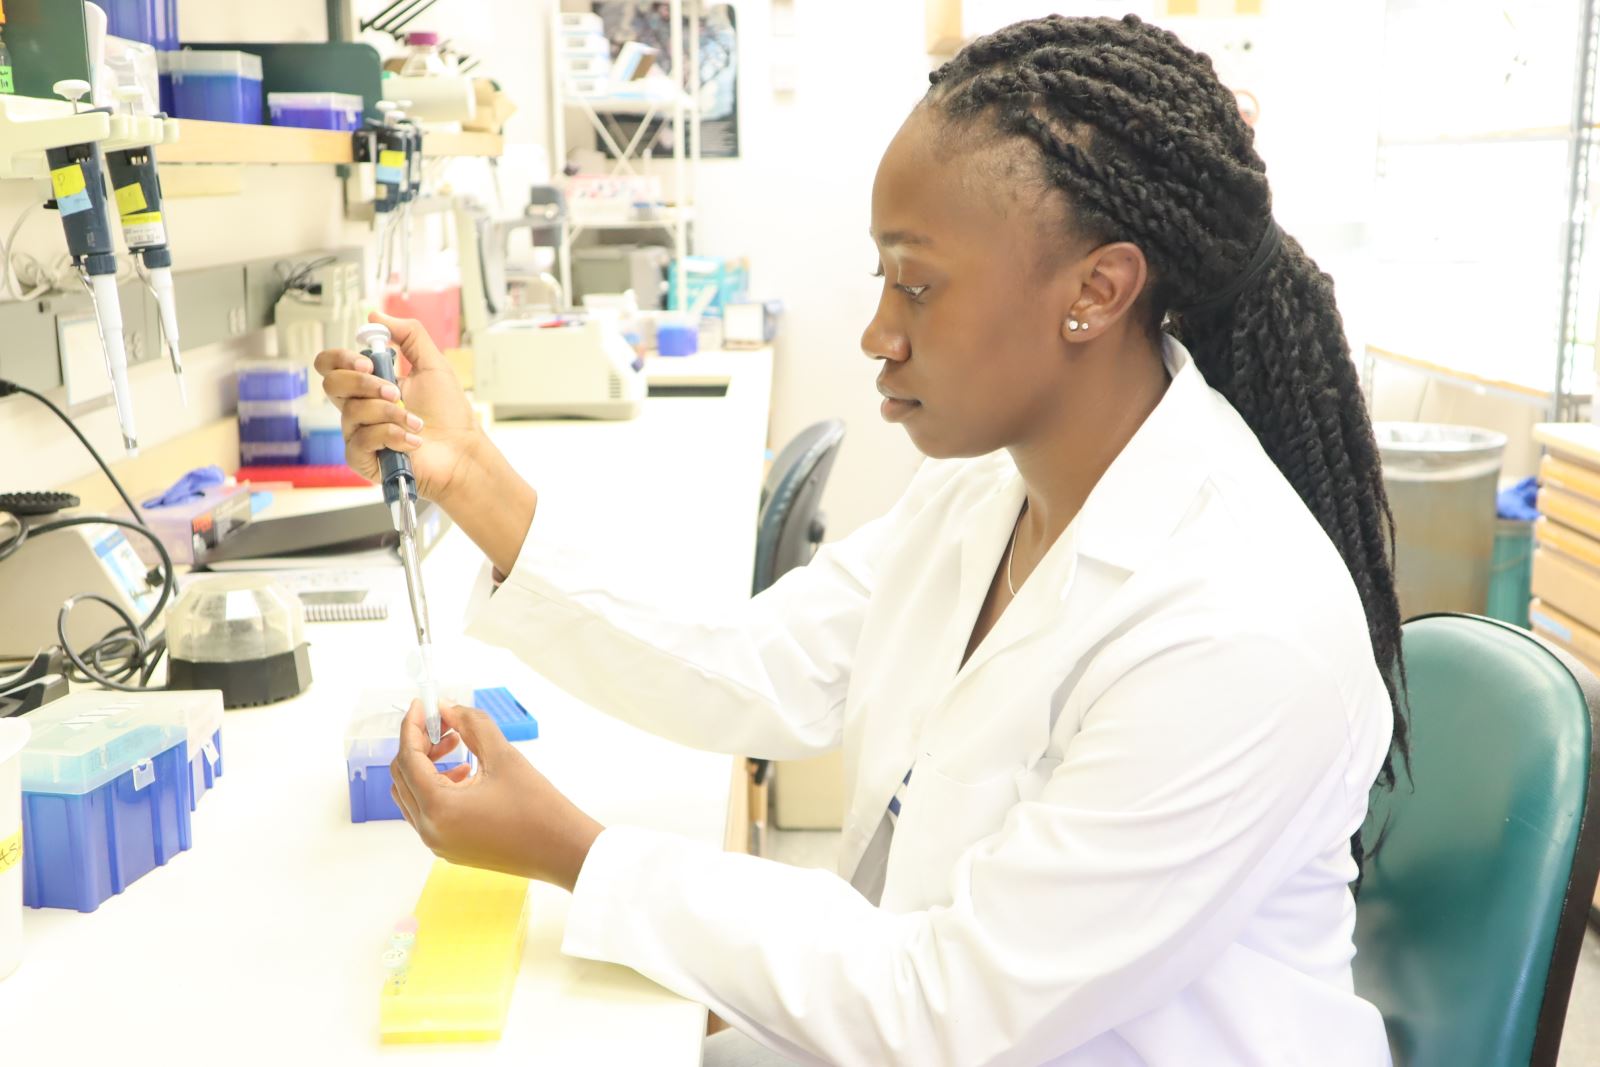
[(1441, 482)]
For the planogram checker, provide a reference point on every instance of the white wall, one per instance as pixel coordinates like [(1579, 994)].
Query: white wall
[(798, 203)]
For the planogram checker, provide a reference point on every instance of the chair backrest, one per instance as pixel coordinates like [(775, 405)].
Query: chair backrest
[(1472, 912), (790, 526)]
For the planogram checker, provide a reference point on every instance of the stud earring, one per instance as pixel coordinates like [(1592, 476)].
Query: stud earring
[(1074, 325)]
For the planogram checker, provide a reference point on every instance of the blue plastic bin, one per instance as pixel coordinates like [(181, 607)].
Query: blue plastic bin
[(316, 111), (105, 799), (372, 744), (271, 379), (155, 22), (220, 86), (514, 720), (324, 448)]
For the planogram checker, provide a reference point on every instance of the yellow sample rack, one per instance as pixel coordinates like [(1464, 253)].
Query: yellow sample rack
[(454, 983)]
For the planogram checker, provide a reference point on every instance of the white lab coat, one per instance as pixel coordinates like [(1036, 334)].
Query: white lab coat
[(1126, 837)]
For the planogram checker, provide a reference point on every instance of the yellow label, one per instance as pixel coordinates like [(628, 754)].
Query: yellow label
[(10, 851), (130, 199), (68, 180), (391, 157), (145, 219)]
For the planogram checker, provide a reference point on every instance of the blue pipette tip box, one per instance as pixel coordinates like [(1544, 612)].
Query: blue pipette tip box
[(514, 720)]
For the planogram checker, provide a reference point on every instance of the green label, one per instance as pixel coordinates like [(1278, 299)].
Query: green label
[(7, 85)]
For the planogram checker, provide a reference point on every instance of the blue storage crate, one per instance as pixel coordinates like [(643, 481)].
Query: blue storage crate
[(514, 720), (370, 747), (271, 428), (324, 448), (105, 799), (316, 111), (218, 86), (154, 22), (271, 379)]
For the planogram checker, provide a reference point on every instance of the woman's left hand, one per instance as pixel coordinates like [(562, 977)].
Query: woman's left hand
[(504, 817)]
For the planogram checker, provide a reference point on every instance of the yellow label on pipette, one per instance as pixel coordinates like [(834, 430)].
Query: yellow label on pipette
[(130, 200), (68, 180), (391, 157), (147, 218), (10, 851)]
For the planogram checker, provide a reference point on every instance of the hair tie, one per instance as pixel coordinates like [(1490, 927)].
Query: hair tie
[(1271, 240)]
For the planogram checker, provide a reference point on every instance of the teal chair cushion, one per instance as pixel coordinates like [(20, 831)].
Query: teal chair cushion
[(1459, 912)]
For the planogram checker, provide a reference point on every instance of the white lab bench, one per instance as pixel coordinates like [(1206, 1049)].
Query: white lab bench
[(264, 939)]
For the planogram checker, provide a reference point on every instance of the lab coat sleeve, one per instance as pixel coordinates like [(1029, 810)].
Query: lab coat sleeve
[(1199, 781), (766, 679)]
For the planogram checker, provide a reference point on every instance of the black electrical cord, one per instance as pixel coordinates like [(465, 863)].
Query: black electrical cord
[(9, 387), (129, 643)]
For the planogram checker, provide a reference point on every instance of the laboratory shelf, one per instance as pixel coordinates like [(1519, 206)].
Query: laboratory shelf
[(227, 142)]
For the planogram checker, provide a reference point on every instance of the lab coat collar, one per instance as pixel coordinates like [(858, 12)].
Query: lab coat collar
[(1131, 511), (1152, 483)]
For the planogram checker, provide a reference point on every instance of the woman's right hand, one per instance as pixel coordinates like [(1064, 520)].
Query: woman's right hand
[(427, 417)]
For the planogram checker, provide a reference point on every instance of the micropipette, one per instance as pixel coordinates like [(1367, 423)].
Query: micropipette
[(138, 194), (400, 493), (80, 195)]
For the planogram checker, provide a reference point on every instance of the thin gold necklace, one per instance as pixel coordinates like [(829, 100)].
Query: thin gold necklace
[(1011, 549)]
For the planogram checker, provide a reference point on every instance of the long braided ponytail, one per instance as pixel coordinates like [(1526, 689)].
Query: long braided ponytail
[(1149, 147)]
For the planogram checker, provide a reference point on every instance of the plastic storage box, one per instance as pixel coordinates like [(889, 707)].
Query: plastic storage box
[(272, 407), (514, 720), (105, 798), (271, 379), (220, 86), (372, 743), (153, 22), (316, 111)]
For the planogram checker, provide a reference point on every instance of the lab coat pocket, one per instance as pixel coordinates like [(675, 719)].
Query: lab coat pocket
[(939, 820)]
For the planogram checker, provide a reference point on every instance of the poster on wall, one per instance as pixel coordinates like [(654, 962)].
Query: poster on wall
[(650, 24)]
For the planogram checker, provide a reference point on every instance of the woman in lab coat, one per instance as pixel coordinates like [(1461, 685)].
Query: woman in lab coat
[(1114, 677)]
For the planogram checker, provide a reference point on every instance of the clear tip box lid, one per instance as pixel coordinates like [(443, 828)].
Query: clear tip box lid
[(90, 737)]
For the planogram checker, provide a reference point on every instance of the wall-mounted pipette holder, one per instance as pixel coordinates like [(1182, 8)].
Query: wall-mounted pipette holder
[(29, 126)]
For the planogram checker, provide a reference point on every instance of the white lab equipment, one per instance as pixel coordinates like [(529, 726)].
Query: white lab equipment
[(322, 314), (545, 366), (42, 574), (13, 736), (582, 368)]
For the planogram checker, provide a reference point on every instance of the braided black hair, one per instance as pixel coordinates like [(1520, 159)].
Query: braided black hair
[(1149, 147)]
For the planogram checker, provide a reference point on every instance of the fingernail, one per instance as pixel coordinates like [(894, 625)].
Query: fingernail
[(414, 422), (364, 365), (413, 440), (389, 392)]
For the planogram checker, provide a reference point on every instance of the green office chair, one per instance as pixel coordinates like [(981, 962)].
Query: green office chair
[(1472, 913)]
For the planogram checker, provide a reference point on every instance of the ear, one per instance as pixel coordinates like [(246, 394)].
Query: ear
[(1112, 276)]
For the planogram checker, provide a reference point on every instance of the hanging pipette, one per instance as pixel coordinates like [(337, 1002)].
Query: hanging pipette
[(78, 186), (138, 192)]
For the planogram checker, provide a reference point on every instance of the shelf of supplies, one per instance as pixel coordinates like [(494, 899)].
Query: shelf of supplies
[(1524, 136), (1523, 391), (231, 142)]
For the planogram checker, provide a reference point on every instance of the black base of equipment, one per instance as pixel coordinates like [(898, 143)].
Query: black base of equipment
[(246, 684)]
